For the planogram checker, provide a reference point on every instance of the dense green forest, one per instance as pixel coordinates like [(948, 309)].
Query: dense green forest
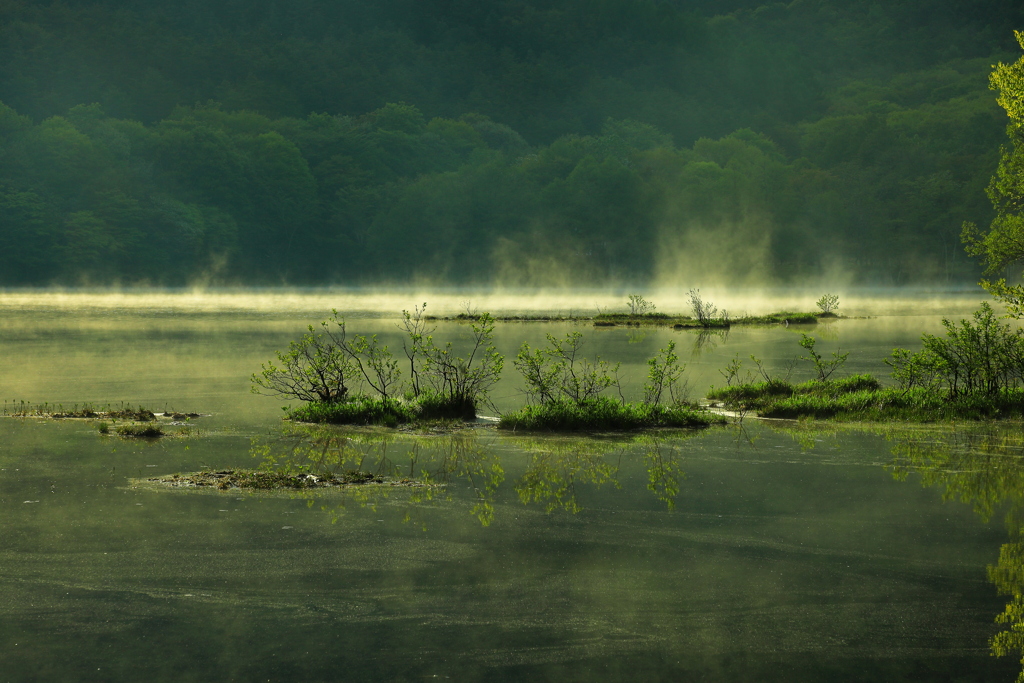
[(511, 142)]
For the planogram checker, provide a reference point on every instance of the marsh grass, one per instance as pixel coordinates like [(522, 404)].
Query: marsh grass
[(861, 398), (359, 410), (138, 431), (84, 411), (428, 410), (604, 414), (683, 322)]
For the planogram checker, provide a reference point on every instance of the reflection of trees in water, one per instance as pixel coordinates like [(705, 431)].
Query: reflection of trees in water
[(707, 340), (557, 467), (636, 335), (826, 329), (984, 468), (432, 462), (664, 472)]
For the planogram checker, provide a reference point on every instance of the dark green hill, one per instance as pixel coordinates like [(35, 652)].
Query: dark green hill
[(521, 141)]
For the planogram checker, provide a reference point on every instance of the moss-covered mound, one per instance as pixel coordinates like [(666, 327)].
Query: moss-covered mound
[(264, 480)]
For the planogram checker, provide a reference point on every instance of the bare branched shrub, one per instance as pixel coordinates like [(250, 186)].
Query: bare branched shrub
[(314, 368), (416, 330), (639, 305), (706, 313)]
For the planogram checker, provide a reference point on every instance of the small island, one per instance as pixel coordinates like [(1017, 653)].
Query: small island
[(267, 480)]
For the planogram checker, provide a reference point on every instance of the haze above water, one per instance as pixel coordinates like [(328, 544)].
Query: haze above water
[(761, 552)]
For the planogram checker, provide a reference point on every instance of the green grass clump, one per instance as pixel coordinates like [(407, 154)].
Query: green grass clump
[(366, 410), (791, 317), (861, 398), (359, 410), (624, 317), (603, 414), (140, 431)]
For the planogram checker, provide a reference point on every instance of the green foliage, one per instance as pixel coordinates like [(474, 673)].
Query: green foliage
[(860, 398), (1003, 244), (828, 304), (375, 363), (732, 370), (518, 143), (359, 410), (983, 358), (460, 383), (416, 331), (600, 413), (663, 378), (561, 373), (824, 368)]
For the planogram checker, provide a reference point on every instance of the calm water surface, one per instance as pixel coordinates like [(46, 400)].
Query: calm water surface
[(770, 552)]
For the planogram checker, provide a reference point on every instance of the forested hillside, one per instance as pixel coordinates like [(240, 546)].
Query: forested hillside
[(514, 142)]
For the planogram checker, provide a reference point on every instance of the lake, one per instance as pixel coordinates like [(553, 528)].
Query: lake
[(768, 551)]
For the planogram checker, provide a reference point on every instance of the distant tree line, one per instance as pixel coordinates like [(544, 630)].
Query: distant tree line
[(517, 141)]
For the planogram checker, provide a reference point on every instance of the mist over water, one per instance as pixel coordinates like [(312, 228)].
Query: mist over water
[(449, 301)]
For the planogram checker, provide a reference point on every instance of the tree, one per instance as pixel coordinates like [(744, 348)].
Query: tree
[(1003, 244), (314, 368)]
